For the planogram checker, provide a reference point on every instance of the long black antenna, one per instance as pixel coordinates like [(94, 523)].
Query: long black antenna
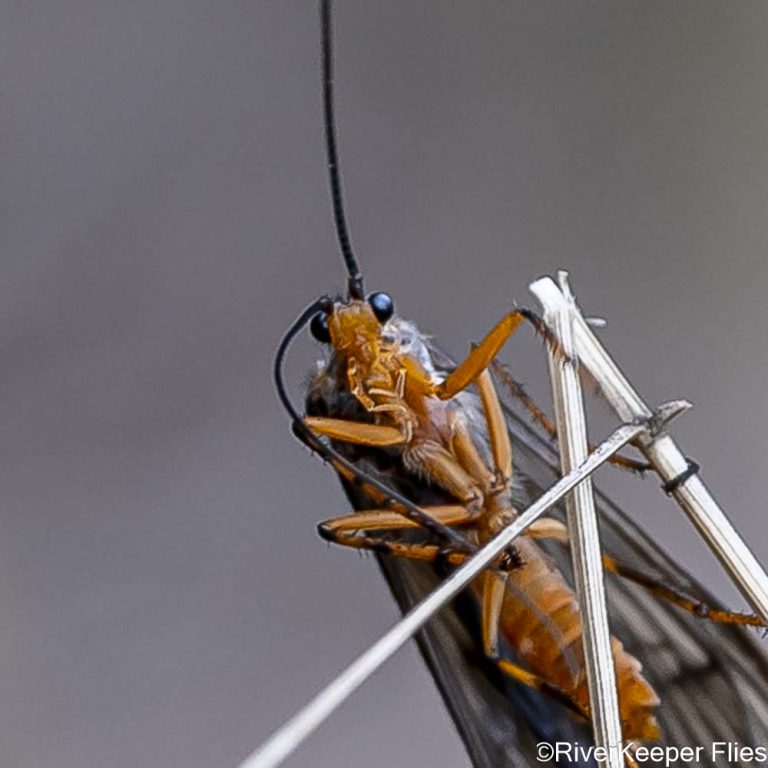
[(329, 121)]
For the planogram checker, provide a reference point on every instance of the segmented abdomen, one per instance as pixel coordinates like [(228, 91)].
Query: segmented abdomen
[(541, 621)]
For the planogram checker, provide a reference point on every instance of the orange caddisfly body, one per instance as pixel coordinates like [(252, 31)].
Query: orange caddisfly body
[(447, 431)]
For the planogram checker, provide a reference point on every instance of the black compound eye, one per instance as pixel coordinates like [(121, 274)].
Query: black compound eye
[(318, 327), (382, 305)]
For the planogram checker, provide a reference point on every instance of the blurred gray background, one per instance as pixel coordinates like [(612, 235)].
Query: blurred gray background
[(164, 599)]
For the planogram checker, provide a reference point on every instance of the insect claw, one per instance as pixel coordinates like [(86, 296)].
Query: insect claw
[(499, 484), (325, 532), (442, 559)]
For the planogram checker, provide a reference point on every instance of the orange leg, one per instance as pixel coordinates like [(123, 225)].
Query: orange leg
[(550, 528), (348, 531), (463, 472), (389, 520), (523, 676), (493, 586), (429, 553), (464, 449), (516, 389), (501, 447), (434, 460), (692, 605), (444, 469), (493, 582), (375, 435), (480, 356)]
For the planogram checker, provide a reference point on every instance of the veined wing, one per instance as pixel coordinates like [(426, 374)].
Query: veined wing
[(712, 678), (500, 721)]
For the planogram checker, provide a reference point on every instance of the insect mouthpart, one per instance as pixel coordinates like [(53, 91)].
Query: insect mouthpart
[(352, 322)]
